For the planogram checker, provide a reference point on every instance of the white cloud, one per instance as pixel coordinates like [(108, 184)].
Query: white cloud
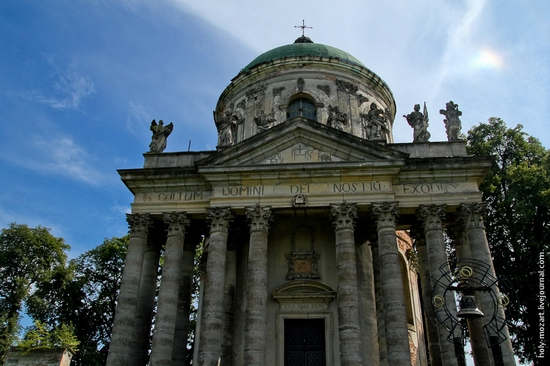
[(68, 89)]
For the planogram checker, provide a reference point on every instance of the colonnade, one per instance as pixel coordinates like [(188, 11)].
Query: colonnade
[(135, 308)]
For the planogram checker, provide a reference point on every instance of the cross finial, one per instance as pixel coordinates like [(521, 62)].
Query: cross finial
[(303, 26)]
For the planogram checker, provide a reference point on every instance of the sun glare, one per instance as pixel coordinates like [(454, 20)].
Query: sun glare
[(487, 59)]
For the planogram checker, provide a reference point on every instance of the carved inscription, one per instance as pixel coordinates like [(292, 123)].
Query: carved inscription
[(243, 191), (303, 307), (426, 188), (173, 196), (357, 187)]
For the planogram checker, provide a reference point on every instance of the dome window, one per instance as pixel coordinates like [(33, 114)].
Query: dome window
[(302, 107)]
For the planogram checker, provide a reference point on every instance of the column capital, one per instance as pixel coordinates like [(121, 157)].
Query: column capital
[(431, 216), (259, 217), (177, 221), (219, 218), (385, 214), (471, 214), (139, 224), (344, 215)]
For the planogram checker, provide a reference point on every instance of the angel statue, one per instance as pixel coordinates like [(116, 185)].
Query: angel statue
[(419, 123), (160, 134)]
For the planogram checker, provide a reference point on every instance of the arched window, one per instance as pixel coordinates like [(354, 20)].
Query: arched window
[(302, 107)]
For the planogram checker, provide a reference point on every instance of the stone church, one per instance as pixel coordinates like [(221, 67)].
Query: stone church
[(325, 242)]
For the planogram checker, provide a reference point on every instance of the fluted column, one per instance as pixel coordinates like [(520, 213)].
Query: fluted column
[(255, 333), (395, 317), (382, 348), (479, 248), (165, 324), (146, 304), (211, 330), (426, 285), (179, 350), (348, 297), (431, 218), (123, 335)]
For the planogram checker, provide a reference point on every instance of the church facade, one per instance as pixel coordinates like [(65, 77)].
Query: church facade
[(325, 243)]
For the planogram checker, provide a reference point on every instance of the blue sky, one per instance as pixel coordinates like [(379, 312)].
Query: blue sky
[(81, 80)]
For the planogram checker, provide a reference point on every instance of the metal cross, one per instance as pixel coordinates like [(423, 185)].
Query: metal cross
[(303, 26)]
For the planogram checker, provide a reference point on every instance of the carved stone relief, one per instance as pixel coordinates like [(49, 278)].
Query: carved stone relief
[(346, 86), (336, 118), (301, 83), (325, 88), (302, 260)]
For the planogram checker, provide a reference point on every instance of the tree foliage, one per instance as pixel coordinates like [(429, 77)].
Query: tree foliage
[(517, 190), (42, 336), (29, 257), (85, 295)]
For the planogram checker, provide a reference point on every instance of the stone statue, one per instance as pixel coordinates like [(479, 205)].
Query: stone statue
[(160, 134), (419, 122), (375, 127), (265, 121), (336, 118), (227, 130), (452, 122)]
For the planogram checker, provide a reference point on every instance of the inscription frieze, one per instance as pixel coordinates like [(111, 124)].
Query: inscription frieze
[(182, 196), (304, 307), (434, 188)]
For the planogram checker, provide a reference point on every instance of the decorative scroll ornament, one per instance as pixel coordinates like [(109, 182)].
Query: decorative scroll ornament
[(177, 221), (386, 214), (139, 224), (431, 216), (259, 217), (471, 214), (346, 86), (219, 218), (344, 215)]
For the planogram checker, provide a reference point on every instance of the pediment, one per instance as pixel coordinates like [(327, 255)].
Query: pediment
[(301, 141)]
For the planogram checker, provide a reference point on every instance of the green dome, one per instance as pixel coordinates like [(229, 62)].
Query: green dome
[(302, 49)]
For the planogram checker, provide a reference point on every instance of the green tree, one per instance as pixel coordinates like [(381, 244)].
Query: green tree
[(41, 336), (28, 258), (85, 295), (517, 191)]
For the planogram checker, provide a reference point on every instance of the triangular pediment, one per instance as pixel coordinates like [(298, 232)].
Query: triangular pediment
[(300, 141)]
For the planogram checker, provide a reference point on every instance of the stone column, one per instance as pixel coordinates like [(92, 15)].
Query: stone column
[(382, 349), (179, 350), (426, 287), (480, 350), (348, 297), (123, 335), (165, 322), (367, 303), (479, 248), (146, 304), (393, 297), (211, 329), (229, 306), (438, 261), (255, 332)]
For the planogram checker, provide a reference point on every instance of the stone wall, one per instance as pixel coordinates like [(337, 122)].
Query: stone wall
[(50, 357)]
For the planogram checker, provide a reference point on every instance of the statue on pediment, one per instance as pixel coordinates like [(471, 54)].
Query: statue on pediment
[(419, 122), (336, 118), (375, 123), (160, 134), (453, 124), (265, 121)]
